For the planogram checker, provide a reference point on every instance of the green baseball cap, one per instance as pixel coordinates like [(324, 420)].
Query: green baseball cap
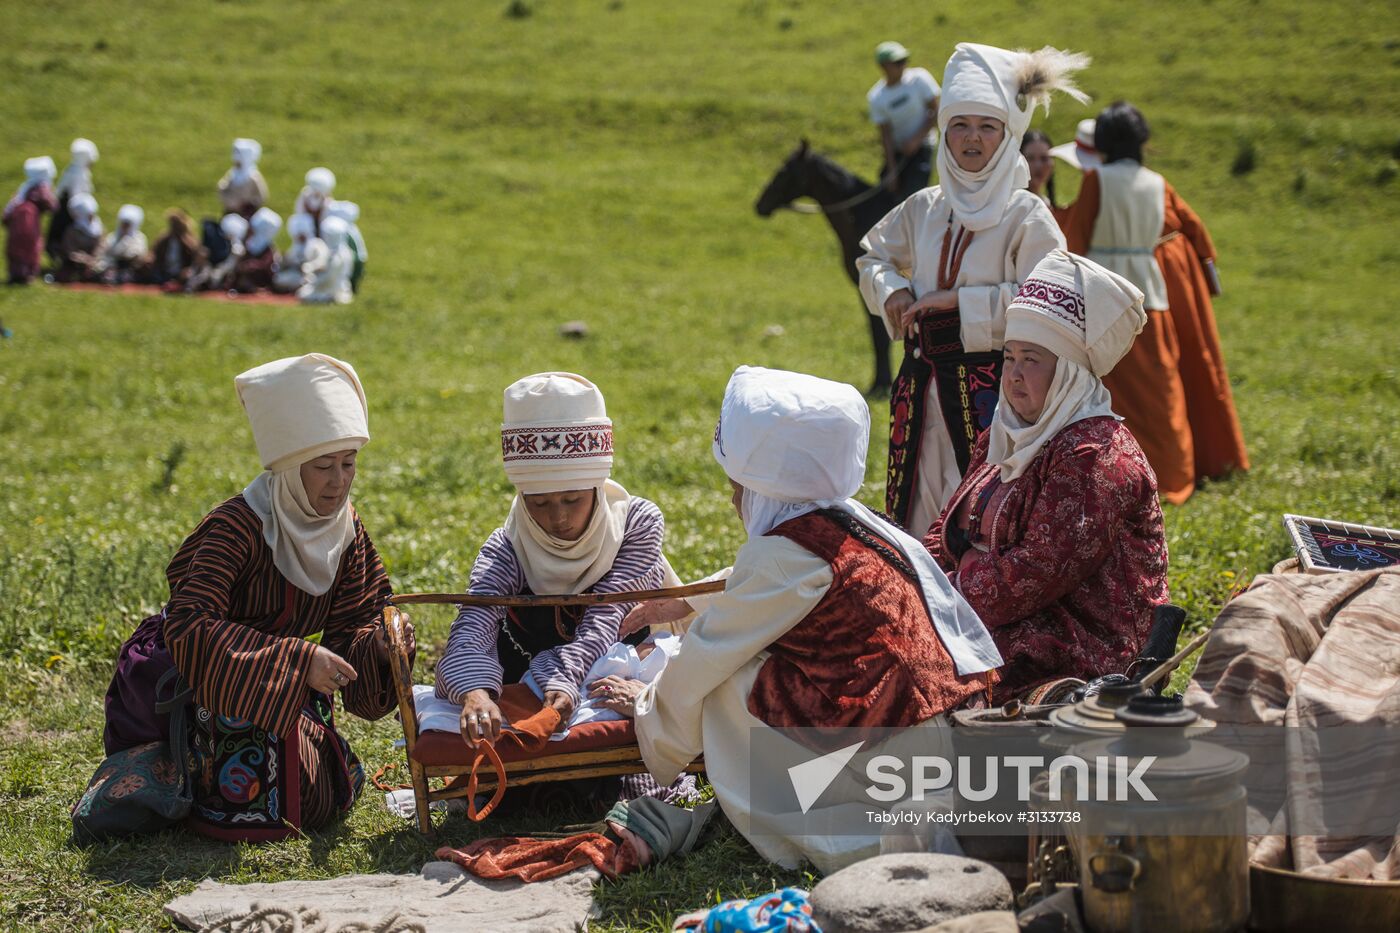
[(890, 52)]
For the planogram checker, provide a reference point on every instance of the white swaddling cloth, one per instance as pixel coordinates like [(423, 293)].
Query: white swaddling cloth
[(436, 714)]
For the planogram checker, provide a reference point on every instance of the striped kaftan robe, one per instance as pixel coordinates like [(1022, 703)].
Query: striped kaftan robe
[(267, 755)]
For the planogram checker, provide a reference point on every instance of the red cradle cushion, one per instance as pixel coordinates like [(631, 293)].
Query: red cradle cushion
[(448, 748)]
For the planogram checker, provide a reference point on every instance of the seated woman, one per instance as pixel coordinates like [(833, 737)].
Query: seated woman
[(328, 282), (242, 190), (832, 616), (306, 250), (1055, 536), (126, 256), (176, 255), (81, 241), (224, 246), (274, 605), (315, 199), (254, 272), (570, 530)]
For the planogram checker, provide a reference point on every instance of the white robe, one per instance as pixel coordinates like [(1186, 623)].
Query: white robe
[(330, 283), (700, 703), (903, 251), (1132, 209)]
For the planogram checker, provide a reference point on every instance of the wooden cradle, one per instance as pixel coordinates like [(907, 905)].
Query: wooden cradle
[(592, 750)]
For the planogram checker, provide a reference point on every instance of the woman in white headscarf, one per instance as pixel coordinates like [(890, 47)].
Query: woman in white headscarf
[(570, 530), (75, 180), (315, 198), (941, 268), (242, 190), (328, 281), (275, 602), (306, 256), (1055, 535), (23, 219), (126, 255), (81, 243), (256, 269), (831, 619)]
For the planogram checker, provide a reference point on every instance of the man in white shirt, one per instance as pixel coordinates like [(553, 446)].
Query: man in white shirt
[(904, 105)]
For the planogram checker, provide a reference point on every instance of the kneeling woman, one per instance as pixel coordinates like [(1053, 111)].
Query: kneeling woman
[(570, 530), (1055, 535), (274, 605), (832, 618)]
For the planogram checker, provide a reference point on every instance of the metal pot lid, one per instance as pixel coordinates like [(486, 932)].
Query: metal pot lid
[(1199, 760)]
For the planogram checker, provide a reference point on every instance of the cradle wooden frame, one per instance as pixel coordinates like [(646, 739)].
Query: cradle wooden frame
[(603, 762)]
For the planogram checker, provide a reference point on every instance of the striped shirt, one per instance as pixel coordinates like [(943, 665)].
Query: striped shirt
[(237, 628), (471, 662)]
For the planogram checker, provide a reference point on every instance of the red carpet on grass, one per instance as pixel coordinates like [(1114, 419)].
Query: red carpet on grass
[(256, 298)]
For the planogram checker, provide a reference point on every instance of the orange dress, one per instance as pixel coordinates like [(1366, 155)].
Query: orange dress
[(1172, 388)]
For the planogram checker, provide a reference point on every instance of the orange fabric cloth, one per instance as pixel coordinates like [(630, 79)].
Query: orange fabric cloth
[(531, 724), (541, 859), (1172, 388)]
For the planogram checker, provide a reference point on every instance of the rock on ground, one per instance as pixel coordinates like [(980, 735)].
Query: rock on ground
[(907, 891)]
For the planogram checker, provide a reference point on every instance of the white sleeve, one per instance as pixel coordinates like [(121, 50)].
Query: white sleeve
[(774, 585), (982, 308), (889, 248), (878, 115)]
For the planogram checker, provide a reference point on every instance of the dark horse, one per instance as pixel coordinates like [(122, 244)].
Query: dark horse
[(852, 206)]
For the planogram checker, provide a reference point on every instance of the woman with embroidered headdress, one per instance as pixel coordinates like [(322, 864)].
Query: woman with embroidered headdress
[(570, 530), (243, 190), (75, 180), (1055, 535), (832, 618), (81, 244), (23, 219), (275, 600), (941, 268), (1172, 388), (349, 212)]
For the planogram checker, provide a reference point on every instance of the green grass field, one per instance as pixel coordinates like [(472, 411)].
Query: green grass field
[(595, 160)]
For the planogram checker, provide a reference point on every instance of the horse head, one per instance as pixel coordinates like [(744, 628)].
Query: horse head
[(789, 184)]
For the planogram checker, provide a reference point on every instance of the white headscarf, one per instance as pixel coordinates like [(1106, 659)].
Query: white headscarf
[(77, 176), (235, 227), (247, 152), (265, 223), (981, 80), (301, 225), (83, 209), (302, 408), (37, 171), (334, 232), (131, 214), (797, 444), (1087, 316), (556, 436)]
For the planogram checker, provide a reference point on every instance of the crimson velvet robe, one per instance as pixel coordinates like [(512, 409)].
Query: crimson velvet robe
[(1068, 559)]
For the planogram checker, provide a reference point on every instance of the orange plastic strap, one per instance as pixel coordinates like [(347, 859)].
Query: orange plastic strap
[(484, 750)]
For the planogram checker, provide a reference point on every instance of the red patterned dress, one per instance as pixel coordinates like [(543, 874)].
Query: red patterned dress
[(1065, 563), (268, 758)]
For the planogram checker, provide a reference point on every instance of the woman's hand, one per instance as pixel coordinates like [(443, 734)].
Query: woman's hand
[(933, 301), (562, 703), (381, 640), (895, 306), (329, 671), (618, 694), (481, 718), (655, 612)]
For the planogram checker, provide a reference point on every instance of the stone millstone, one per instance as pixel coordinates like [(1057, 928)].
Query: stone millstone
[(907, 891)]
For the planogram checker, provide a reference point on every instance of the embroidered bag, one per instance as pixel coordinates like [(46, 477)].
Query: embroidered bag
[(146, 788)]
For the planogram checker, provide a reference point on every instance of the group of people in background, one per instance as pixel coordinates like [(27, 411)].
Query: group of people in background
[(323, 264), (971, 240)]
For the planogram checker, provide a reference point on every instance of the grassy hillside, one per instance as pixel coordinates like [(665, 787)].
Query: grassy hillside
[(595, 160)]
